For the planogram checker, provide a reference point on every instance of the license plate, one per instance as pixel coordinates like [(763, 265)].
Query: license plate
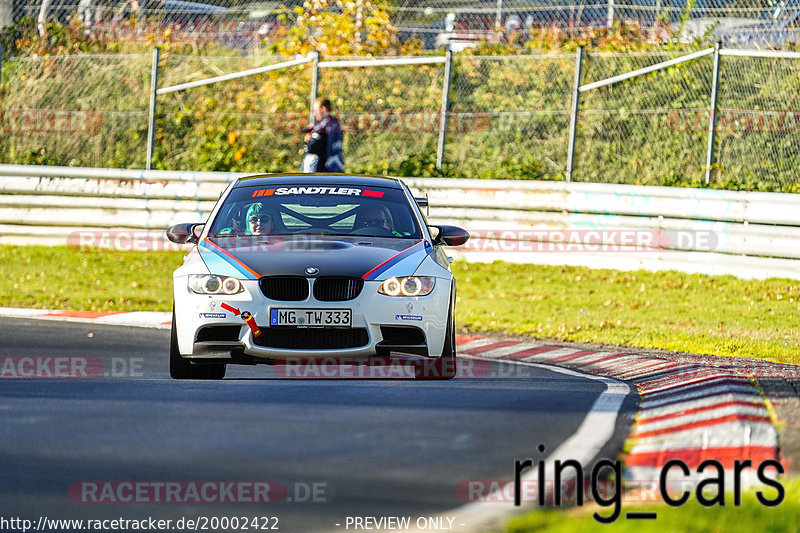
[(311, 317)]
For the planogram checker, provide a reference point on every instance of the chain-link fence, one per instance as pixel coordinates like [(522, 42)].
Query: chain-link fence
[(244, 24), (390, 114), (251, 123), (641, 118), (82, 110), (509, 116), (758, 129), (632, 132)]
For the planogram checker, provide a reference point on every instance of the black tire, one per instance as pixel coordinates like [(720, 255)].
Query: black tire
[(448, 362), (446, 366), (180, 368)]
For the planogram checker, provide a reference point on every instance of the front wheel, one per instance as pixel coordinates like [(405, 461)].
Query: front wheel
[(180, 368), (448, 362), (446, 367)]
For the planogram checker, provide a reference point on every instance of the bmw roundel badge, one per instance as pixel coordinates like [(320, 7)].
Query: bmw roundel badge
[(312, 271)]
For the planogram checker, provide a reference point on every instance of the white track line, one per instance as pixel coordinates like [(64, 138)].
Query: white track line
[(584, 445)]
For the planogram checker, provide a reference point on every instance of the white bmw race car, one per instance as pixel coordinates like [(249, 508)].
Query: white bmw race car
[(311, 266)]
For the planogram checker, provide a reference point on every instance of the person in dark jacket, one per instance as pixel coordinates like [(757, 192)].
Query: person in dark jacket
[(324, 141)]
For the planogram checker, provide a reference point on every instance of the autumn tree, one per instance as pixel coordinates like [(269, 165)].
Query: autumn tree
[(337, 28)]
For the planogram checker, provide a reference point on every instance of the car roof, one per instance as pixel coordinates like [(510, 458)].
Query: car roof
[(318, 179)]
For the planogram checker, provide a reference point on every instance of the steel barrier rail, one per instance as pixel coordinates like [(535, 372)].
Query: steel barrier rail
[(752, 234), (652, 201), (120, 174)]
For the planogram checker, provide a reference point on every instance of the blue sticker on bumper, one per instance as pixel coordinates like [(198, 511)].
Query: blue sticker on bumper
[(213, 315), (407, 317)]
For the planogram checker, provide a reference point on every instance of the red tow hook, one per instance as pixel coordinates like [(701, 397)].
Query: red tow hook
[(251, 323)]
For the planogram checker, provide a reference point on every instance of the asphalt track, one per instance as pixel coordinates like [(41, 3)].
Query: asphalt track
[(373, 448)]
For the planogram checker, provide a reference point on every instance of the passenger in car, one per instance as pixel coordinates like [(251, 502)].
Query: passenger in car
[(375, 217), (259, 222)]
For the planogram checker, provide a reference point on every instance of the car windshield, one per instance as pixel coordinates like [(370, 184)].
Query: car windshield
[(316, 209)]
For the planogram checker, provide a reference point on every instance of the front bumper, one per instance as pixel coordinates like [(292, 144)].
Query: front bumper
[(206, 329)]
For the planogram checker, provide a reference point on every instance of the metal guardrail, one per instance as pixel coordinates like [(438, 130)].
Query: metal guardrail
[(747, 234)]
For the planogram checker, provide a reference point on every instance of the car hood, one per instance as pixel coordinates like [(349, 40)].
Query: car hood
[(364, 257)]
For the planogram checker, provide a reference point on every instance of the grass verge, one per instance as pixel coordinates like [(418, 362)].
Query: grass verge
[(718, 315), (691, 518), (62, 278)]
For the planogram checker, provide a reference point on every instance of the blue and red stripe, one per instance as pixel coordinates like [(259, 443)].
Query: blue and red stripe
[(389, 263), (227, 257)]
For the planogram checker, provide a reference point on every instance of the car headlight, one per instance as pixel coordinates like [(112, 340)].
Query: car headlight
[(209, 284), (408, 286)]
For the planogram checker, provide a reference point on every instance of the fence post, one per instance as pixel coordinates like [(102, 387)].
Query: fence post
[(151, 125), (314, 86), (712, 119), (573, 116), (448, 68)]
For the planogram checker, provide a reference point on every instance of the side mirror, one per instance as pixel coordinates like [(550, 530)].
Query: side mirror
[(184, 233), (451, 236)]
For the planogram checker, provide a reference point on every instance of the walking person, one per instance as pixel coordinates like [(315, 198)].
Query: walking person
[(323, 151)]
